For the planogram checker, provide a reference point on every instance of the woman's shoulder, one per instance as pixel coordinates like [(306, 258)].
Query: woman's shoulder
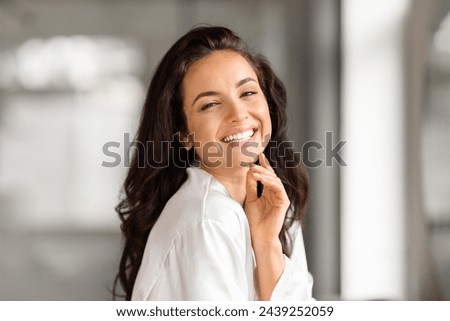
[(200, 212), (200, 223), (199, 200)]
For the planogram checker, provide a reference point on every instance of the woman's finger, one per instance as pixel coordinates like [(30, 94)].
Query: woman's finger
[(262, 170), (265, 163), (268, 180), (273, 187)]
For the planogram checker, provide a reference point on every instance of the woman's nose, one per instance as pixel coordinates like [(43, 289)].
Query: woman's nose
[(237, 112)]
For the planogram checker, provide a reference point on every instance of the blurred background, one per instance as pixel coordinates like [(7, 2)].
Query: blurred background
[(374, 75)]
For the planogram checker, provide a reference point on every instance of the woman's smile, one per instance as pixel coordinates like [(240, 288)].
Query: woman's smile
[(239, 136)]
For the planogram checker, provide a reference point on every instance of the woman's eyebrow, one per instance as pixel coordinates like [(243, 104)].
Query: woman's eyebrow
[(205, 94), (244, 81), (215, 93)]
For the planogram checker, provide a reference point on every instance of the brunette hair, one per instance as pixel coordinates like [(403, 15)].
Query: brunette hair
[(148, 185)]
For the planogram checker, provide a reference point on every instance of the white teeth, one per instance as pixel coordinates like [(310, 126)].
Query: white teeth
[(239, 137)]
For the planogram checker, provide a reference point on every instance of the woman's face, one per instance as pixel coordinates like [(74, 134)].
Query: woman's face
[(227, 113)]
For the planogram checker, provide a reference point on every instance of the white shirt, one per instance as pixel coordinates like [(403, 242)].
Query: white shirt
[(200, 249)]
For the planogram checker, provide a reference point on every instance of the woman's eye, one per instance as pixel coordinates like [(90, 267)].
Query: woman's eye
[(208, 105), (248, 93)]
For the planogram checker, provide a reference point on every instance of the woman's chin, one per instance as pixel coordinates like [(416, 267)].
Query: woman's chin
[(233, 160), (246, 160)]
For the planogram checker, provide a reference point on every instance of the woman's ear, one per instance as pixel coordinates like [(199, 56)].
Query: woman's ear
[(185, 140)]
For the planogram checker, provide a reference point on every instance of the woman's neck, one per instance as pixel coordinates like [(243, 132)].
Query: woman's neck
[(233, 179)]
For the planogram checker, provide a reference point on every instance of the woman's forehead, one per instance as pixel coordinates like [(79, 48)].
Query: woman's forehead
[(218, 65)]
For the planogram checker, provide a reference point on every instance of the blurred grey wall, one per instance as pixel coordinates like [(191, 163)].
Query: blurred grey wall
[(434, 162)]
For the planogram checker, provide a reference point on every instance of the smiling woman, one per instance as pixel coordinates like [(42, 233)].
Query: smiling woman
[(197, 229)]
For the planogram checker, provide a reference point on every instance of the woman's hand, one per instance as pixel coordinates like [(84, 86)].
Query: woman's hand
[(266, 217), (265, 214)]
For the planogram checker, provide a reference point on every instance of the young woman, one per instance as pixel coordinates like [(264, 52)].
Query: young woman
[(214, 197)]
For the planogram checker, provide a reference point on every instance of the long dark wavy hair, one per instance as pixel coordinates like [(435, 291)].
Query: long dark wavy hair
[(148, 185)]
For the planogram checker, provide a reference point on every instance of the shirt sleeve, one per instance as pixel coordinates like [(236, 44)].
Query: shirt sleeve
[(295, 282), (206, 262)]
